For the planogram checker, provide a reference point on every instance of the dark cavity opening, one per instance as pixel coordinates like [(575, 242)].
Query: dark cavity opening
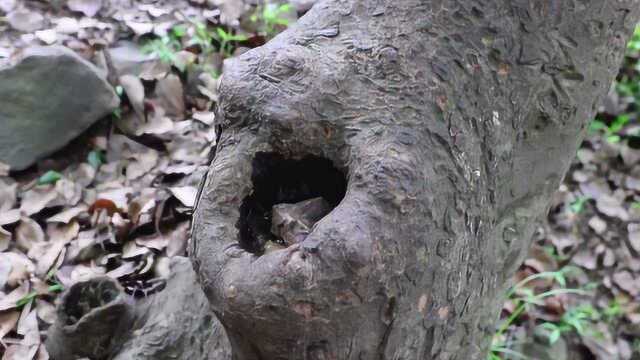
[(278, 180)]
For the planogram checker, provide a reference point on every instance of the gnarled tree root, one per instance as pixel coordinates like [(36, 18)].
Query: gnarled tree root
[(98, 320)]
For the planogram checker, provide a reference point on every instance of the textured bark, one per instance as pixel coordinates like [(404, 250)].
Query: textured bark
[(98, 320), (452, 123)]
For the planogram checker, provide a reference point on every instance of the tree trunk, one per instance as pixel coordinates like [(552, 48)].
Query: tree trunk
[(437, 130)]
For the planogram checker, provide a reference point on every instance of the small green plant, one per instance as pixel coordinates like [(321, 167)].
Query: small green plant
[(578, 319), (165, 48), (50, 177), (577, 206), (270, 16), (226, 40), (611, 131), (612, 311), (633, 47), (55, 288), (524, 299)]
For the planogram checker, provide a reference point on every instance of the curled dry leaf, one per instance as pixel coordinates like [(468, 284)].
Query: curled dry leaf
[(612, 207), (46, 311), (157, 123), (186, 194), (28, 234), (36, 199), (127, 268), (8, 321), (5, 239), (130, 250), (29, 329), (634, 236), (205, 117), (10, 301), (585, 258), (7, 194), (48, 36), (143, 163), (135, 93), (9, 216), (627, 282), (170, 96), (88, 7), (67, 25), (178, 240), (69, 214), (139, 28), (25, 20), (21, 267)]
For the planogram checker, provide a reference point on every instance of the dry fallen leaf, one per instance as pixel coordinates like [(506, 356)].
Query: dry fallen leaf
[(37, 199), (134, 89), (178, 240), (9, 216), (29, 329), (25, 20), (9, 302), (612, 207), (48, 36), (88, 7), (5, 239), (627, 282), (205, 117), (8, 321), (67, 215), (28, 233), (186, 194), (170, 96), (46, 311), (7, 194), (21, 267)]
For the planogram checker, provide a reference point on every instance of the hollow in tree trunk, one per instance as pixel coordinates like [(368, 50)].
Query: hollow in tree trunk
[(435, 130)]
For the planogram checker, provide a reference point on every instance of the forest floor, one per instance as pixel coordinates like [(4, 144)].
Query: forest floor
[(118, 199)]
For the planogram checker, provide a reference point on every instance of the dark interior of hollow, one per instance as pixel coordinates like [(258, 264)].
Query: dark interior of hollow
[(278, 180)]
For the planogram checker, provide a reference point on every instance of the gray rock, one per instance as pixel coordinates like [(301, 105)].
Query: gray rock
[(47, 98)]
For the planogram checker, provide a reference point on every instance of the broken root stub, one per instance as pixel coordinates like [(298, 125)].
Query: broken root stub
[(293, 222), (90, 320)]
